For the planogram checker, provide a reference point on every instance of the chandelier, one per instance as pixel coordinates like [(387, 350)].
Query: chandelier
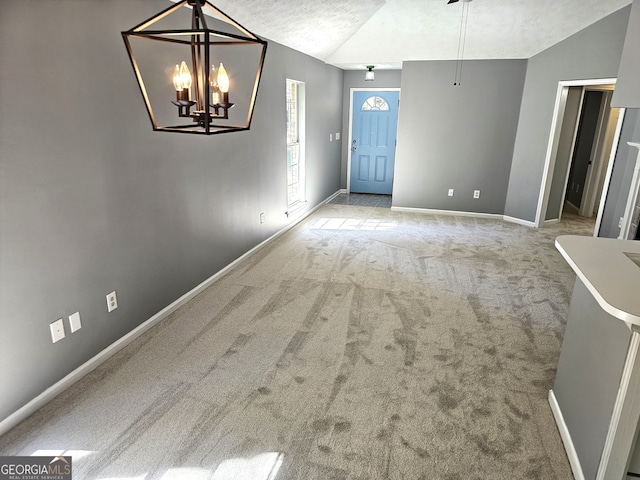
[(198, 70)]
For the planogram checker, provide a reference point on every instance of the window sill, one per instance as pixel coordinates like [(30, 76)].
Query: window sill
[(295, 208)]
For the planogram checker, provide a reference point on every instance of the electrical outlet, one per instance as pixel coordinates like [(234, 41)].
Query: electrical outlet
[(476, 194), (112, 301), (620, 222), (451, 192), (57, 330), (337, 135), (261, 217), (74, 322)]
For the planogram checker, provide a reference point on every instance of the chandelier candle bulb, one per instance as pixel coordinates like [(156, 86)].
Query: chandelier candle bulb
[(182, 81), (185, 78), (215, 91), (177, 83), (223, 84), (223, 79)]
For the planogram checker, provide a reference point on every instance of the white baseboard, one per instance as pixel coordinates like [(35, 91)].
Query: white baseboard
[(433, 211), (552, 221), (574, 461), (56, 389), (456, 213), (447, 212), (494, 216), (519, 221), (331, 197)]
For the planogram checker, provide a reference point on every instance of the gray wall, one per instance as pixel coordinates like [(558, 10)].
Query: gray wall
[(591, 53), (355, 79), (627, 93), (92, 200), (620, 182), (458, 137)]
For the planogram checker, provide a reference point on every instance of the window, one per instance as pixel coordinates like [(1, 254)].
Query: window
[(295, 145), (375, 103)]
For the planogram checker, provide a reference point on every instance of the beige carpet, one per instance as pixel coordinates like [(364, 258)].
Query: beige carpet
[(362, 344)]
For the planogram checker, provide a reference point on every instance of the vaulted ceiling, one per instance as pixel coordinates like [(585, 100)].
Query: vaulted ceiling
[(353, 33)]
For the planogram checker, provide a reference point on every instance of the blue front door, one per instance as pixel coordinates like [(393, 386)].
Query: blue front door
[(373, 144)]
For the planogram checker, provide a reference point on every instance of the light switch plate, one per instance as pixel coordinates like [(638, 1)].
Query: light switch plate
[(74, 322), (57, 330)]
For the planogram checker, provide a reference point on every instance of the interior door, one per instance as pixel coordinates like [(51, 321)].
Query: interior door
[(583, 148), (373, 141)]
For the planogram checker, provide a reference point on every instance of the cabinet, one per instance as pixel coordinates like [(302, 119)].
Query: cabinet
[(596, 395)]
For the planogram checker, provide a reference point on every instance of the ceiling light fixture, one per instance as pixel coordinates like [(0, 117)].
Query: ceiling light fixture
[(181, 35), (369, 76)]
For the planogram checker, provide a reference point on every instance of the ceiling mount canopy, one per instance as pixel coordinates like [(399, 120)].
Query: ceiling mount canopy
[(198, 70)]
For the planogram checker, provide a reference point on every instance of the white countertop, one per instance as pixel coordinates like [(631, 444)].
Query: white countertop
[(610, 275)]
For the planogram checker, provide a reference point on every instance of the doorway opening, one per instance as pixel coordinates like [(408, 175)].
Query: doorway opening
[(584, 139), (373, 122)]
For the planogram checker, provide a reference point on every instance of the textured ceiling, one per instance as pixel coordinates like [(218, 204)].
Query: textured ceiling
[(315, 27), (353, 33)]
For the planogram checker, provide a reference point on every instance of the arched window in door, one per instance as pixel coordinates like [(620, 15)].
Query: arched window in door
[(375, 103)]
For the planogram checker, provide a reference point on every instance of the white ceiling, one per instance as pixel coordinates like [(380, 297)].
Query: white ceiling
[(353, 33)]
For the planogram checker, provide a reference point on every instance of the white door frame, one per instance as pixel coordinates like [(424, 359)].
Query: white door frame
[(362, 89), (552, 147), (598, 157), (634, 191)]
